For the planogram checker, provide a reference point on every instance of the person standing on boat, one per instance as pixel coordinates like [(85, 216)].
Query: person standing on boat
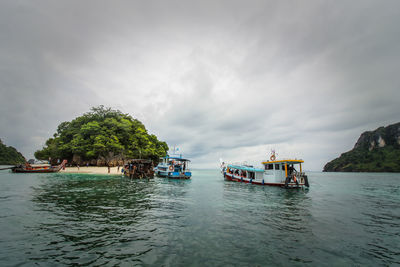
[(290, 169)]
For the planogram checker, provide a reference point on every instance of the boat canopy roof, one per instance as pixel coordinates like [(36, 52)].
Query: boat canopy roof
[(40, 165), (176, 158), (288, 161), (245, 168), (138, 161)]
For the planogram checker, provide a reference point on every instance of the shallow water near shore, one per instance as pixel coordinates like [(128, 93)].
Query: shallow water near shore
[(83, 219)]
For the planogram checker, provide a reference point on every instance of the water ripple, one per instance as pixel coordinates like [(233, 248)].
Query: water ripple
[(65, 219)]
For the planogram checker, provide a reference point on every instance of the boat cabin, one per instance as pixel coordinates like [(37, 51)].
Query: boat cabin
[(280, 169)]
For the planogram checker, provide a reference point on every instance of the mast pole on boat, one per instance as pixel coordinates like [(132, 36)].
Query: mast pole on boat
[(285, 169)]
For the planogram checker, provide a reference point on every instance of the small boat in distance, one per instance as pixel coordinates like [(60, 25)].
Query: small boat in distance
[(38, 168), (275, 172), (173, 168)]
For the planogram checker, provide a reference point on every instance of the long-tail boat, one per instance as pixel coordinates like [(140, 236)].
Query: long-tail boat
[(38, 168)]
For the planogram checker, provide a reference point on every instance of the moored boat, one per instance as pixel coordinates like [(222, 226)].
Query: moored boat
[(38, 168), (173, 168), (274, 172), (138, 169)]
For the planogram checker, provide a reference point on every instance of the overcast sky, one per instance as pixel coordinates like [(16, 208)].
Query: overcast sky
[(218, 79)]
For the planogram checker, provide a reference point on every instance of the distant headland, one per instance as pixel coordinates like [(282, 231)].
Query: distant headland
[(9, 155), (374, 151), (102, 137)]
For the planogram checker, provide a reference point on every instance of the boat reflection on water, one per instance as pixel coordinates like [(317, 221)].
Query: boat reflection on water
[(96, 219), (113, 215), (266, 216)]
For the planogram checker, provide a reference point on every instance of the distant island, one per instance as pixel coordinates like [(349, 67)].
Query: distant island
[(102, 137), (9, 155), (375, 151)]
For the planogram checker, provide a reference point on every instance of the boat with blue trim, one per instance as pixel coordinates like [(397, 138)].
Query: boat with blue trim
[(274, 172), (173, 168)]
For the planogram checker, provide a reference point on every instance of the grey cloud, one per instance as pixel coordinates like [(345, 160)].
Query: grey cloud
[(217, 78)]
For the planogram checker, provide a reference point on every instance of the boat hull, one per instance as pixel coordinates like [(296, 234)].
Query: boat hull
[(174, 175), (19, 170), (239, 179)]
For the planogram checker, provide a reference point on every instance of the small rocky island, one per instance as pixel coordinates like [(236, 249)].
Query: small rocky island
[(9, 155), (375, 151), (102, 137)]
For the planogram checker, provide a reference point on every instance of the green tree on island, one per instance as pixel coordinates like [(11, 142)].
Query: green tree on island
[(102, 133)]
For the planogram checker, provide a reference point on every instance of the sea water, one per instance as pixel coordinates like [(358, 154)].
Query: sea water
[(79, 219)]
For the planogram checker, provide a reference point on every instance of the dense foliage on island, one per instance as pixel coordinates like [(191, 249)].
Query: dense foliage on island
[(9, 155), (102, 135), (375, 151)]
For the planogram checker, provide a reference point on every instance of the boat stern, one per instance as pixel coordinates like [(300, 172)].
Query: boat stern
[(297, 180)]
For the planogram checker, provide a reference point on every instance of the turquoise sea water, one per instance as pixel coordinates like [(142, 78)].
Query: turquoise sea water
[(344, 219)]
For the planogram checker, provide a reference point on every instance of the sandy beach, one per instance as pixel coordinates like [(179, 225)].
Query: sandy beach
[(92, 170)]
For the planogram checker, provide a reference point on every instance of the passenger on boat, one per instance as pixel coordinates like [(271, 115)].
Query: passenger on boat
[(28, 166), (290, 169)]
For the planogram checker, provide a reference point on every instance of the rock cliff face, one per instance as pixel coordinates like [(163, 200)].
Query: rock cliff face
[(111, 161), (374, 151)]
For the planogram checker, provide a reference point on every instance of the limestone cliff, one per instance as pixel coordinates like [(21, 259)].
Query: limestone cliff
[(374, 151)]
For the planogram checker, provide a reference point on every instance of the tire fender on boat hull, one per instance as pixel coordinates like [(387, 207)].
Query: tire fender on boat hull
[(287, 182), (306, 181)]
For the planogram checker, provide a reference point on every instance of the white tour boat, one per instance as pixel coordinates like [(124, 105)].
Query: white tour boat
[(274, 172), (173, 168)]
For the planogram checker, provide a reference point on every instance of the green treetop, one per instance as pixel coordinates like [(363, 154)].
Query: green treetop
[(102, 133)]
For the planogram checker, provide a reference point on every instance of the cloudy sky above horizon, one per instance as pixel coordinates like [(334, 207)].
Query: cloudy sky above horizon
[(218, 79)]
